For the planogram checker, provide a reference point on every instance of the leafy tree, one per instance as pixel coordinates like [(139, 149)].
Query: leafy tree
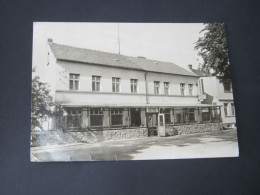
[(42, 103), (212, 47)]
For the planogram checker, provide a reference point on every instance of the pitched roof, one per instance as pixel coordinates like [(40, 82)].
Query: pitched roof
[(68, 53), (200, 73)]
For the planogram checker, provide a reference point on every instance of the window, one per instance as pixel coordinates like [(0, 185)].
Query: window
[(232, 109), (215, 114), (156, 87), (180, 115), (227, 86), (191, 115), (135, 117), (115, 84), (95, 83), (190, 89), (226, 109), (182, 87), (166, 88), (96, 117), (167, 114), (74, 117), (74, 81), (134, 85), (116, 117), (205, 114)]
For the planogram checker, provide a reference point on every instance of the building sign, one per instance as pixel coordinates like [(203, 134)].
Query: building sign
[(202, 97), (152, 110)]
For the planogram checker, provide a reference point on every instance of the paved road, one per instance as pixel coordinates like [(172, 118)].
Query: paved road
[(214, 144)]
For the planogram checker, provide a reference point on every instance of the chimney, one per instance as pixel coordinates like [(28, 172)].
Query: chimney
[(190, 66), (50, 41)]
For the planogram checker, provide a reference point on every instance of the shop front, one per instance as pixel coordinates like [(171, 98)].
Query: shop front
[(154, 120)]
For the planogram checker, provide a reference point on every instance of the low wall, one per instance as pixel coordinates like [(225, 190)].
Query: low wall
[(193, 128), (59, 137)]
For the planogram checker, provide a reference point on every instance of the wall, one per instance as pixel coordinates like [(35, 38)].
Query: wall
[(193, 128), (58, 137), (227, 119), (86, 71), (48, 72), (94, 97), (174, 81), (223, 95), (85, 94)]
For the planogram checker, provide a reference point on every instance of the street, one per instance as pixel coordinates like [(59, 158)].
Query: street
[(207, 145)]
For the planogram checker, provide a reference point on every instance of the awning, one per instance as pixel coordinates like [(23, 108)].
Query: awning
[(132, 105)]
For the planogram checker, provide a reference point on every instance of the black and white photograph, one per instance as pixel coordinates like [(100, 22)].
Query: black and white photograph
[(131, 91)]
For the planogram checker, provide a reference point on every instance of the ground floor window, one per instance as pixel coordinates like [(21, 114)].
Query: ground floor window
[(191, 115), (215, 114), (135, 117), (116, 116), (167, 115), (205, 114), (232, 109), (74, 117), (226, 109), (180, 115), (185, 115), (96, 117)]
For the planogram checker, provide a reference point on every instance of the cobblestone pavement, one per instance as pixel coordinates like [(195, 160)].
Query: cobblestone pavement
[(207, 145)]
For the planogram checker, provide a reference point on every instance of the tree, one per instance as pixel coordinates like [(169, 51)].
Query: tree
[(42, 103), (212, 47)]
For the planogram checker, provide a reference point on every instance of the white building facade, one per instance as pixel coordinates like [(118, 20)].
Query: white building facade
[(212, 91), (100, 91)]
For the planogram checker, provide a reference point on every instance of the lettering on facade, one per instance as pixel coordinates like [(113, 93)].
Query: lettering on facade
[(63, 77), (152, 110)]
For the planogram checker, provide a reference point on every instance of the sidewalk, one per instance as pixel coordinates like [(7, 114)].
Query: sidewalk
[(214, 144)]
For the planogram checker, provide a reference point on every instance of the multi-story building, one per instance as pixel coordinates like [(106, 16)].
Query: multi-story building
[(101, 91), (212, 91)]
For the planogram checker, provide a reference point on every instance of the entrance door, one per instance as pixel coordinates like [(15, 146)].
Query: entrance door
[(152, 124), (161, 125)]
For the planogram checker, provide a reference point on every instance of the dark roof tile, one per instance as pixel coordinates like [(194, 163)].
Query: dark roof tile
[(68, 53)]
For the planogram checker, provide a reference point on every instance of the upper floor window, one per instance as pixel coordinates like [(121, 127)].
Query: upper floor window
[(156, 87), (227, 86), (182, 87), (134, 85), (115, 84), (190, 89), (95, 83), (166, 88), (74, 81)]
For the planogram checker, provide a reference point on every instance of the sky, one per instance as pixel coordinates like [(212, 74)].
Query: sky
[(170, 42)]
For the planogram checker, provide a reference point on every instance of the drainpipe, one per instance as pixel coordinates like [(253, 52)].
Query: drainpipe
[(146, 88)]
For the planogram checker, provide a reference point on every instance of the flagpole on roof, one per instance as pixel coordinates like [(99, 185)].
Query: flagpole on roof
[(118, 38)]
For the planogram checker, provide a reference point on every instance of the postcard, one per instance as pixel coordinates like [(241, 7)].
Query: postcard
[(131, 91)]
